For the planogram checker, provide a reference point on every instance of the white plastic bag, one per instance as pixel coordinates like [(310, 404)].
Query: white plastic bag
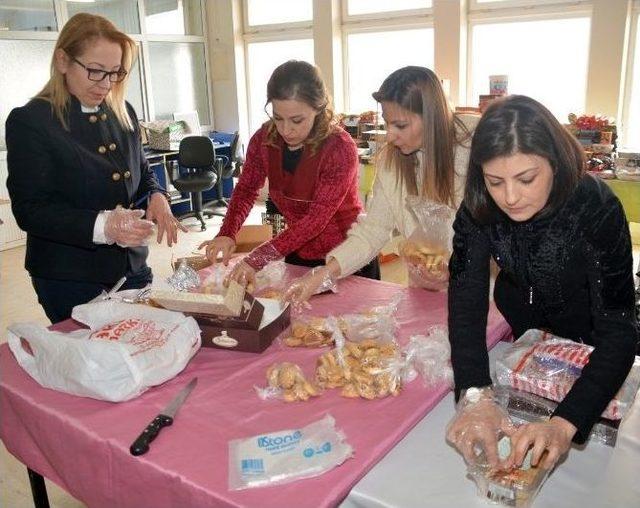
[(287, 455), (127, 349)]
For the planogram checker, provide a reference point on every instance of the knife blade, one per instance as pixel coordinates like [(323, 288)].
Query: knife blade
[(164, 419)]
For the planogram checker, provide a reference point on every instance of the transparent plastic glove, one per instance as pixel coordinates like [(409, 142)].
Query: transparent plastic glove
[(222, 246), (315, 281), (476, 428), (159, 211), (126, 227), (553, 436), (243, 274)]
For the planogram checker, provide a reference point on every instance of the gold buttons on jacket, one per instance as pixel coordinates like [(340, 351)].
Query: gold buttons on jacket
[(115, 176), (102, 149), (127, 174), (112, 146), (93, 118), (103, 117)]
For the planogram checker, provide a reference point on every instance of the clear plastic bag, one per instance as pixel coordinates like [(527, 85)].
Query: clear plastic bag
[(546, 365), (288, 455), (524, 407), (429, 356), (271, 281), (428, 248), (286, 381), (516, 487), (369, 369), (378, 323), (311, 332)]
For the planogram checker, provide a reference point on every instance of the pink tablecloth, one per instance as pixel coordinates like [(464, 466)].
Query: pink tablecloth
[(83, 444)]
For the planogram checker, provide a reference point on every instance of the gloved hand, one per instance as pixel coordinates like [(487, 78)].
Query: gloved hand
[(553, 436), (159, 211), (317, 280), (126, 227), (477, 426), (224, 245), (244, 274)]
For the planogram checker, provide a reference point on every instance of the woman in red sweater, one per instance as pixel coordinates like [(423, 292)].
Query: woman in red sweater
[(312, 167)]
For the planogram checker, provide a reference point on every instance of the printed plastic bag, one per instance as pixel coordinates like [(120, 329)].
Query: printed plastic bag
[(288, 455), (428, 248), (546, 365), (127, 349)]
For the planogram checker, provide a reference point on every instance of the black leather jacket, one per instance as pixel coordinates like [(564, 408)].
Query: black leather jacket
[(569, 272)]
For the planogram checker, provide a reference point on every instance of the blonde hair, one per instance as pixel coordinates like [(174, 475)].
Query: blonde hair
[(418, 89), (301, 81), (78, 33)]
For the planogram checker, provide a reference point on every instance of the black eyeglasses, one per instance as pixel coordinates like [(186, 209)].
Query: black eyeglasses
[(99, 74)]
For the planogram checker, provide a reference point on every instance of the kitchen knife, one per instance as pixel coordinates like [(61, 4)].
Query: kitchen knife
[(164, 419)]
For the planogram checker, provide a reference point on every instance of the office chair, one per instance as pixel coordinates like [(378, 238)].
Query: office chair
[(197, 159), (226, 167)]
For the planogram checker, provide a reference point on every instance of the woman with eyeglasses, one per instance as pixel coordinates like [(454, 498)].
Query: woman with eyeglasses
[(77, 173), (312, 168)]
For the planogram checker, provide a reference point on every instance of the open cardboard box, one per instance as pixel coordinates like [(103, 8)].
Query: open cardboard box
[(250, 237), (259, 323)]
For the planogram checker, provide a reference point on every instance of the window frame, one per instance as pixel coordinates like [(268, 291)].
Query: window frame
[(556, 5), (629, 70), (272, 27), (142, 40), (391, 16), (513, 14), (421, 19)]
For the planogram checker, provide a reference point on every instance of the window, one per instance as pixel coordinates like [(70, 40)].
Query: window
[(178, 79), (632, 132), (373, 56), (278, 12), (123, 14), (33, 15), (262, 59), (551, 69), (181, 17), (356, 7), (24, 73)]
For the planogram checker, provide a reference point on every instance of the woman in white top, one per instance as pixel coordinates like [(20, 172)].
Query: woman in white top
[(425, 154)]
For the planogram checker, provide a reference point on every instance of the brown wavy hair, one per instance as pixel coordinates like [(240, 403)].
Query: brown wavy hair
[(418, 89), (78, 33), (301, 81)]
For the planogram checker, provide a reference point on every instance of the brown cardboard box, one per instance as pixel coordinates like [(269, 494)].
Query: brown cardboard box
[(244, 333), (250, 237)]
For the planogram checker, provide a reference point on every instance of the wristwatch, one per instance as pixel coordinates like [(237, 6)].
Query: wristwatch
[(474, 394)]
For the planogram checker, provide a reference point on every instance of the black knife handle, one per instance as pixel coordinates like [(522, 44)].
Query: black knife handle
[(141, 444)]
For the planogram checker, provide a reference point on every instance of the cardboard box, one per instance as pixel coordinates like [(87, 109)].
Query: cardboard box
[(250, 237), (259, 323), (231, 304)]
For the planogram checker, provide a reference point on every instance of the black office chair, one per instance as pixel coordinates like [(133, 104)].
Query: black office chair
[(196, 174), (226, 167)]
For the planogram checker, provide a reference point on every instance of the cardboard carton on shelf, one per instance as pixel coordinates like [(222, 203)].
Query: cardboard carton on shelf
[(250, 237)]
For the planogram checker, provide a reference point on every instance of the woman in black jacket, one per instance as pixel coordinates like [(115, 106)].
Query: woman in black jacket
[(562, 242), (77, 173)]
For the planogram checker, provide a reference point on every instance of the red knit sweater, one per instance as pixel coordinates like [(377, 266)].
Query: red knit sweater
[(319, 201)]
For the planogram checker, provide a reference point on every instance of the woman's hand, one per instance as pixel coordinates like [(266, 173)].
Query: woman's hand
[(224, 245), (159, 211), (243, 274), (127, 228), (553, 437), (317, 280), (478, 426)]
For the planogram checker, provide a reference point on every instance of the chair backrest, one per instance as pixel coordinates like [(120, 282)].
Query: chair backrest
[(196, 152)]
